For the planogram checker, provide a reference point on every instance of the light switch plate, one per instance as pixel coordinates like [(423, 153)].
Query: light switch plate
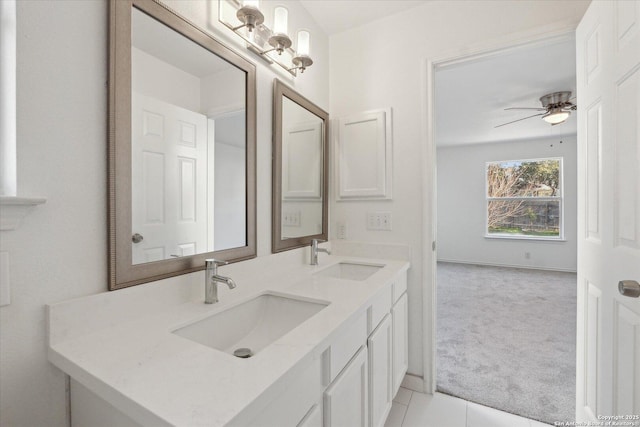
[(291, 219), (5, 285), (379, 221)]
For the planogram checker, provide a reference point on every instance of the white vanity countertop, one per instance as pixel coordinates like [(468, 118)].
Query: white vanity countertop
[(120, 344)]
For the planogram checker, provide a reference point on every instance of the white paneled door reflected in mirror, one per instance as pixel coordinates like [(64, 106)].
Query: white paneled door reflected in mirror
[(187, 123), (182, 163)]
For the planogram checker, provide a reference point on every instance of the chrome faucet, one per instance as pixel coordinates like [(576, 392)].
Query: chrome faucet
[(315, 249), (212, 278)]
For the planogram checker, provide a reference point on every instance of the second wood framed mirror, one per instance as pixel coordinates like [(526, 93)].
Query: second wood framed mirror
[(300, 170)]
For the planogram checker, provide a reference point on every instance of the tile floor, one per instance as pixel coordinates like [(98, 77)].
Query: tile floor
[(413, 409)]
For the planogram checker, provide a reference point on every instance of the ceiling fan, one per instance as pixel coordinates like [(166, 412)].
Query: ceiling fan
[(556, 108)]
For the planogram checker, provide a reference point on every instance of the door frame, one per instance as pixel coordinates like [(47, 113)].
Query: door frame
[(549, 34)]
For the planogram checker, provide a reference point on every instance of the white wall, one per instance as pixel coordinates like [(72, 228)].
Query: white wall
[(462, 206), (220, 94), (60, 252), (149, 76), (382, 65), (229, 194)]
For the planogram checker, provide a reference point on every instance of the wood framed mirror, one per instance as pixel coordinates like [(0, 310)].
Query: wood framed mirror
[(300, 170), (182, 147)]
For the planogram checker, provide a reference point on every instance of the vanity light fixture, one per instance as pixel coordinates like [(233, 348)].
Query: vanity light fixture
[(302, 60), (279, 39), (249, 14), (274, 45)]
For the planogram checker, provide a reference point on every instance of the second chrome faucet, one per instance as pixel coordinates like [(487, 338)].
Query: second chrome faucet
[(212, 278), (315, 249)]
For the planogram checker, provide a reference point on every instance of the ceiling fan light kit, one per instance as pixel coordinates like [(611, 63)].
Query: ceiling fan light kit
[(556, 108), (556, 116)]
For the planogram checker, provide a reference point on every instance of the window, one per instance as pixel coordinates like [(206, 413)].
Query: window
[(7, 98), (524, 199)]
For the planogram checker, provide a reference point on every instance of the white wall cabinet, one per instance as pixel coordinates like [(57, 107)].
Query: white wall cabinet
[(400, 356), (346, 399), (364, 156), (380, 345)]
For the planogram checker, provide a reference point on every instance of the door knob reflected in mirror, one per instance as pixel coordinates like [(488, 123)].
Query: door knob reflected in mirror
[(137, 238), (629, 288)]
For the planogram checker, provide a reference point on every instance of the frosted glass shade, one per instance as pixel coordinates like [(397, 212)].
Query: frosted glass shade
[(252, 3), (280, 16), (303, 43), (556, 116)]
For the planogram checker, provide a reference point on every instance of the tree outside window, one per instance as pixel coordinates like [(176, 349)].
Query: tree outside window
[(524, 198)]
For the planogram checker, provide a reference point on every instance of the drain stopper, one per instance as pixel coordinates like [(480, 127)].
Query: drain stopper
[(243, 352)]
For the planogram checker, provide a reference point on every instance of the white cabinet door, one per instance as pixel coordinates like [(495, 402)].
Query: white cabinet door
[(346, 399), (608, 325), (313, 417), (379, 346), (400, 342)]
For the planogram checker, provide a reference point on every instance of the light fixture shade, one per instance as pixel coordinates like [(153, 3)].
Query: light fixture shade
[(303, 43), (280, 15), (556, 116), (250, 16)]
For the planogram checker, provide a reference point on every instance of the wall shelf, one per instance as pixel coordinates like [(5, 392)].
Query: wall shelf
[(13, 209)]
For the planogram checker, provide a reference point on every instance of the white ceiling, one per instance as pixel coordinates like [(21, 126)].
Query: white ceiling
[(335, 16), (471, 96)]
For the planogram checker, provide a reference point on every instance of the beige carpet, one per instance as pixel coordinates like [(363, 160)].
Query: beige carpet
[(506, 339)]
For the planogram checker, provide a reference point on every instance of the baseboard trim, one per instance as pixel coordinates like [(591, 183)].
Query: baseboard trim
[(413, 382), (489, 264)]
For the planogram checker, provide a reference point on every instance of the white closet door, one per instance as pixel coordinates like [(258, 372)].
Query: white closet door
[(608, 335)]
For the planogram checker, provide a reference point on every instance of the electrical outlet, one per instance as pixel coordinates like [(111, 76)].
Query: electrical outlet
[(385, 220), (341, 230)]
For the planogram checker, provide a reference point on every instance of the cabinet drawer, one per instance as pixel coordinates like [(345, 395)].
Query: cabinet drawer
[(380, 307), (399, 286), (344, 347)]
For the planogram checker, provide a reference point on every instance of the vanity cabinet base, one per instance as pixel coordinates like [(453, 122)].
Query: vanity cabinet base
[(90, 410)]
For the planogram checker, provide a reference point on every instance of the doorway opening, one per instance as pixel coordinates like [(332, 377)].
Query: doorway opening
[(507, 232)]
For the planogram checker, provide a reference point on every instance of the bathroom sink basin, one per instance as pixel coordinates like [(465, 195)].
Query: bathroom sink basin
[(251, 325), (350, 271)]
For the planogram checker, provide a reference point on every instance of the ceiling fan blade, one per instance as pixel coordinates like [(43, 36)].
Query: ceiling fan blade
[(525, 108), (519, 120)]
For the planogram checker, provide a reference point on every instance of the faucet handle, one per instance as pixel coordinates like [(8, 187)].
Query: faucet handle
[(210, 262), (318, 241)]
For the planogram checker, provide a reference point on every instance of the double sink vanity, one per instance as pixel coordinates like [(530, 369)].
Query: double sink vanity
[(286, 342), (328, 346)]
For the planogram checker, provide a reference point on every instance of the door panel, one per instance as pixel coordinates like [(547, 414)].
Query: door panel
[(169, 180), (346, 400), (379, 346), (608, 324)]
